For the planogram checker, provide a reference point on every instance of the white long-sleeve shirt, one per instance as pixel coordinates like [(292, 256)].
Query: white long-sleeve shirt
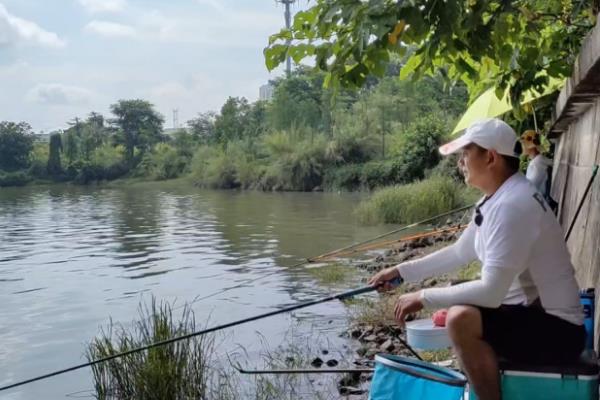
[(537, 172), (523, 255)]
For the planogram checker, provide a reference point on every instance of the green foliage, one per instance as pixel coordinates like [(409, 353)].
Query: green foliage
[(229, 124), (418, 146), (331, 274), (347, 149), (294, 166), (411, 202), (108, 155), (470, 271), (139, 127), (202, 128), (382, 135), (39, 161), (215, 168), (16, 142), (54, 166), (17, 178), (106, 162), (185, 143), (70, 145), (185, 369), (481, 42), (94, 134), (296, 101), (163, 162)]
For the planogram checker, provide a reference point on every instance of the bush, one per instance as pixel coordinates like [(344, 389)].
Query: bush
[(106, 163), (164, 162), (39, 161), (300, 169), (214, 168), (418, 147), (352, 149), (182, 370), (346, 177), (18, 178), (108, 155), (412, 202)]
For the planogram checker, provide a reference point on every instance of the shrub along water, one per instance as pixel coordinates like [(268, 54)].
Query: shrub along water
[(182, 370), (414, 201)]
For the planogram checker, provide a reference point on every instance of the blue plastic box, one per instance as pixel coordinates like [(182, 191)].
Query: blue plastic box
[(578, 381)]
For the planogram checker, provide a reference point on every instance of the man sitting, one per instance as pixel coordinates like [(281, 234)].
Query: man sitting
[(526, 305)]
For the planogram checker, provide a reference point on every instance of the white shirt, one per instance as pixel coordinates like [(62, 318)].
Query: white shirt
[(523, 254), (537, 172)]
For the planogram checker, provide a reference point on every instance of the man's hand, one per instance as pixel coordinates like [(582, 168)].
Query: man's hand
[(381, 280), (407, 304)]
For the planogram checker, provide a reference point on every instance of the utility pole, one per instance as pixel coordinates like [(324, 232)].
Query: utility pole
[(288, 25)]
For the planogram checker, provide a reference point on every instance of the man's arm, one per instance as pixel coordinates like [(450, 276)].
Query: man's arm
[(442, 261), (507, 248)]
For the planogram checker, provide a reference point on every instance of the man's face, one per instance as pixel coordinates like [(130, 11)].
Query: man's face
[(473, 164)]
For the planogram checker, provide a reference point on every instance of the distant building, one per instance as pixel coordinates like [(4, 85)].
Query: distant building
[(265, 92)]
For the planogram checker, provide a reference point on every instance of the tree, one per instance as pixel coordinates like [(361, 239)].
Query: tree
[(230, 124), (203, 126), (71, 144), (256, 121), (139, 127), (16, 144), (419, 146), (296, 102), (515, 44), (185, 143), (93, 134), (54, 167)]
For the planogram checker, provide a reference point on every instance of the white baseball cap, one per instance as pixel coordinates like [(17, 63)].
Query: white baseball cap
[(489, 133)]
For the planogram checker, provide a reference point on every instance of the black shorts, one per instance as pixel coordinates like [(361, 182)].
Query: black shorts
[(530, 335)]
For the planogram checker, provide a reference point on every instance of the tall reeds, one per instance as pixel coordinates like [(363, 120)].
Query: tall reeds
[(181, 370)]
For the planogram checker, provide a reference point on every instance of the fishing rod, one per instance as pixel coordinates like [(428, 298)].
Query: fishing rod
[(303, 371), (422, 222), (340, 296), (585, 193)]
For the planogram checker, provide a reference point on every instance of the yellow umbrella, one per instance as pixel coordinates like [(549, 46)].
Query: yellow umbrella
[(488, 105)]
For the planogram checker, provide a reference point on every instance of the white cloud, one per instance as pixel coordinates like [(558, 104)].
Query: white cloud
[(58, 94), (98, 6), (110, 29), (15, 30)]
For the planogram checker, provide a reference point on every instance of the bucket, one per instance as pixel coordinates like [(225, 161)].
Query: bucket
[(424, 335), (587, 297), (401, 378)]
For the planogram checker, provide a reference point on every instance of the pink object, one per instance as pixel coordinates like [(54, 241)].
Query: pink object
[(439, 317)]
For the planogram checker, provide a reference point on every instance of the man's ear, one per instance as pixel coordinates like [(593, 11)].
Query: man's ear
[(493, 156)]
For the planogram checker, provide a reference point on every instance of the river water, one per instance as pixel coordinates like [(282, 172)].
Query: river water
[(72, 257)]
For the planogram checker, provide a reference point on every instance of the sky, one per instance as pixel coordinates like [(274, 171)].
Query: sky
[(61, 59)]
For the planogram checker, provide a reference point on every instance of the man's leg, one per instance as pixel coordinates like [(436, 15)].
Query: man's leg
[(476, 356)]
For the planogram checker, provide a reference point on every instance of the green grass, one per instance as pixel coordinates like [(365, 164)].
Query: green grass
[(412, 202), (436, 355), (374, 311), (182, 370), (470, 271), (332, 274)]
